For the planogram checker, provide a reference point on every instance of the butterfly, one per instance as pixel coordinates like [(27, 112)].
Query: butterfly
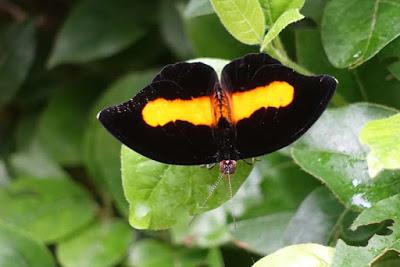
[(187, 116)]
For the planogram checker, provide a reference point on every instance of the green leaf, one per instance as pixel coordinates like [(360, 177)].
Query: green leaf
[(275, 186), (4, 177), (34, 161), (17, 47), (196, 8), (322, 219), (172, 29), (332, 152), (377, 245), (153, 253), (211, 228), (49, 209), (288, 17), (19, 250), (382, 137), (262, 235), (148, 187), (244, 19), (304, 255), (283, 186), (103, 244), (390, 259), (61, 125), (214, 258), (105, 168), (310, 54), (353, 31), (206, 230), (97, 29), (315, 220), (150, 253), (201, 30), (314, 9), (273, 9)]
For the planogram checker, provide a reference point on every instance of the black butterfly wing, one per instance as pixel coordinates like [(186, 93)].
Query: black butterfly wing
[(269, 129), (178, 141)]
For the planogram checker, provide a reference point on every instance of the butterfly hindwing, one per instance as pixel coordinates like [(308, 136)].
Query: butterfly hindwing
[(169, 120), (271, 104)]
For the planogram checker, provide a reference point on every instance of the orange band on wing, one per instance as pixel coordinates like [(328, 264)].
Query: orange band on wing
[(197, 111), (276, 94)]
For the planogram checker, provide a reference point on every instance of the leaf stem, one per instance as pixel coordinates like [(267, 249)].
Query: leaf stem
[(281, 55)]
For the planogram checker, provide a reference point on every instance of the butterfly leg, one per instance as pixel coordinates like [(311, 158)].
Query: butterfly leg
[(251, 162), (208, 166)]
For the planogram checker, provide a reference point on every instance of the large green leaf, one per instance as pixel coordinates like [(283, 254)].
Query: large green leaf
[(172, 29), (303, 255), (34, 161), (17, 47), (103, 244), (332, 152), (275, 188), (102, 150), (315, 220), (322, 219), (19, 250), (209, 229), (378, 245), (153, 253), (314, 9), (62, 123), (160, 194), (273, 9), (4, 177), (99, 28), (382, 137), (244, 19), (288, 17), (49, 209), (262, 235), (353, 31), (283, 186), (205, 29)]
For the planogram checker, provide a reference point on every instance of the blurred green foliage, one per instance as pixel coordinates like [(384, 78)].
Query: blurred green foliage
[(64, 200)]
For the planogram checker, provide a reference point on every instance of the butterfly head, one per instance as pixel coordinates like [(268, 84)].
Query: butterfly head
[(227, 167)]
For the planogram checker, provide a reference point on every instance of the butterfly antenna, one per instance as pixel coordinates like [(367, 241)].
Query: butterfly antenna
[(213, 188), (210, 194), (231, 196)]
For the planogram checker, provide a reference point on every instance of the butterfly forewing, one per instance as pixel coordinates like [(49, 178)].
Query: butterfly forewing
[(169, 120), (272, 105)]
